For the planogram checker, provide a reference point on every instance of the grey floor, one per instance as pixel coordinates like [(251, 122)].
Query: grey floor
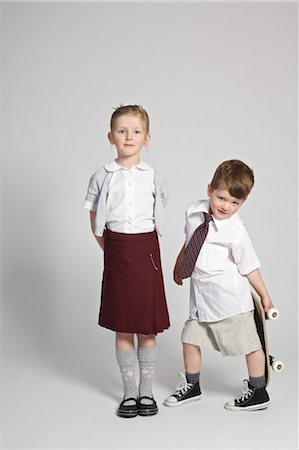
[(68, 401)]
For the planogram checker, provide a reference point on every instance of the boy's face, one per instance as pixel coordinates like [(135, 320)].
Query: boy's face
[(222, 204), (128, 135)]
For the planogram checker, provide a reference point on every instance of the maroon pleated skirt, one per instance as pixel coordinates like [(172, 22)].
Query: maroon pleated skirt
[(133, 295)]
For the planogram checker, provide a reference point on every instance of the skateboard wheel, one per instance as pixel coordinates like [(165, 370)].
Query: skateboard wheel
[(272, 314), (277, 366)]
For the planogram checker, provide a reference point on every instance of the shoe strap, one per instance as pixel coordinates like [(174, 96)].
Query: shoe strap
[(146, 397), (129, 399)]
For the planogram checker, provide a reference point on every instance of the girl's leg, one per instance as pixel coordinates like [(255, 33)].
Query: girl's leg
[(126, 358), (256, 368), (124, 340), (147, 353)]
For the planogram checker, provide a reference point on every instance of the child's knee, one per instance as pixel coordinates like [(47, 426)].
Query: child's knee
[(190, 348)]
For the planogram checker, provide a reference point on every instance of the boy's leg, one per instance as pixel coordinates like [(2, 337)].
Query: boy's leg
[(147, 355), (256, 368), (192, 362), (126, 358), (188, 390), (255, 395), (192, 358)]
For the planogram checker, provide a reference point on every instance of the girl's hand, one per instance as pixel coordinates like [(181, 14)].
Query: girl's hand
[(177, 276)]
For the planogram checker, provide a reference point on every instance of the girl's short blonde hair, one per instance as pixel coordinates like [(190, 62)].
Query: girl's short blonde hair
[(235, 176), (131, 110)]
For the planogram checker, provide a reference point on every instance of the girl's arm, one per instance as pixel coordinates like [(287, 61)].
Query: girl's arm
[(256, 281), (100, 239), (176, 271)]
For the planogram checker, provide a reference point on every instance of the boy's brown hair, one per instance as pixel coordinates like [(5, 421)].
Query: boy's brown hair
[(234, 176), (131, 110)]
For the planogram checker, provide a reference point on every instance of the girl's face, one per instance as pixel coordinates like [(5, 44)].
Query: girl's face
[(128, 135), (222, 204)]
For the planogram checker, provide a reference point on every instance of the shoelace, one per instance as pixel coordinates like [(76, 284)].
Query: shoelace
[(183, 386), (246, 392)]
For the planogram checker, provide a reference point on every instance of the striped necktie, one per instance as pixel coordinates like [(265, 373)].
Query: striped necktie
[(194, 246)]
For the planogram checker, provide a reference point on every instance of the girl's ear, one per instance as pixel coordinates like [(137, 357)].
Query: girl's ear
[(209, 190), (110, 137), (147, 139)]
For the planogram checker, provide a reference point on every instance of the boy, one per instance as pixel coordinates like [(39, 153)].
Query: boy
[(220, 259)]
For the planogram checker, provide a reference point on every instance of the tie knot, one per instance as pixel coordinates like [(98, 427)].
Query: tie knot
[(207, 217)]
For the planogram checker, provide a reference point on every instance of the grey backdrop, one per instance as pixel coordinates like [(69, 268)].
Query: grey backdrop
[(219, 81)]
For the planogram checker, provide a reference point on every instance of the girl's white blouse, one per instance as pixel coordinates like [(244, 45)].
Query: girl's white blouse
[(130, 198), (130, 202)]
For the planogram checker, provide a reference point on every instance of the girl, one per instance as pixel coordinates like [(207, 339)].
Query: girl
[(126, 199)]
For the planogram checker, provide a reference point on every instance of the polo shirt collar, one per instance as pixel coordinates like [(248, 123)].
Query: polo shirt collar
[(114, 166), (204, 207)]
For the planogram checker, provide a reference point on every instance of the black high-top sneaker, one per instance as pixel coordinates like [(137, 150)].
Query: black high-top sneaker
[(252, 399), (185, 392)]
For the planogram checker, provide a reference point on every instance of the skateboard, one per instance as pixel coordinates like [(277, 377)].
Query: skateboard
[(260, 320)]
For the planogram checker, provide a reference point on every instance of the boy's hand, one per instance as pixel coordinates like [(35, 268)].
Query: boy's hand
[(177, 276), (176, 271), (267, 303), (256, 281)]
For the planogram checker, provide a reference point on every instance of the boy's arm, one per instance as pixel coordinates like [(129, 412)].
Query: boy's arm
[(100, 239), (176, 271), (256, 281)]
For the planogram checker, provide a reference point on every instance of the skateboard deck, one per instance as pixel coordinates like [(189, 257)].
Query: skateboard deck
[(260, 321)]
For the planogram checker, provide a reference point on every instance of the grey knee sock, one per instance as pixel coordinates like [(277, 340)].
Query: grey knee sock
[(127, 360), (257, 382), (147, 359)]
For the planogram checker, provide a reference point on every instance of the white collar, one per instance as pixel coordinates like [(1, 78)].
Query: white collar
[(114, 166), (203, 206)]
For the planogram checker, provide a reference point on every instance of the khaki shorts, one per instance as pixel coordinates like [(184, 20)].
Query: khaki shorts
[(233, 336)]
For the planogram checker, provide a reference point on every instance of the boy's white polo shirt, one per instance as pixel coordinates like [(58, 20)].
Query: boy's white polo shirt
[(218, 285), (130, 201)]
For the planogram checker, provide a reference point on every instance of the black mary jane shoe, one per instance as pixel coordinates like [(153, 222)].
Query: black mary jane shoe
[(145, 409), (128, 410)]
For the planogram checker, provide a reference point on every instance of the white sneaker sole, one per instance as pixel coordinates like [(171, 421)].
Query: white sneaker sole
[(247, 408), (182, 402)]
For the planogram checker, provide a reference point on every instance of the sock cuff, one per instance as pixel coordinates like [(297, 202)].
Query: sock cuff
[(192, 377), (126, 357), (257, 382), (147, 354)]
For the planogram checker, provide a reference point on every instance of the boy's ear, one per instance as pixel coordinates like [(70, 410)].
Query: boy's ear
[(110, 137), (209, 190)]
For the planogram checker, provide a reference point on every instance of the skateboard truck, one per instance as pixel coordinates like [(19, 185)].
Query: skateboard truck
[(272, 314), (260, 320), (276, 365)]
